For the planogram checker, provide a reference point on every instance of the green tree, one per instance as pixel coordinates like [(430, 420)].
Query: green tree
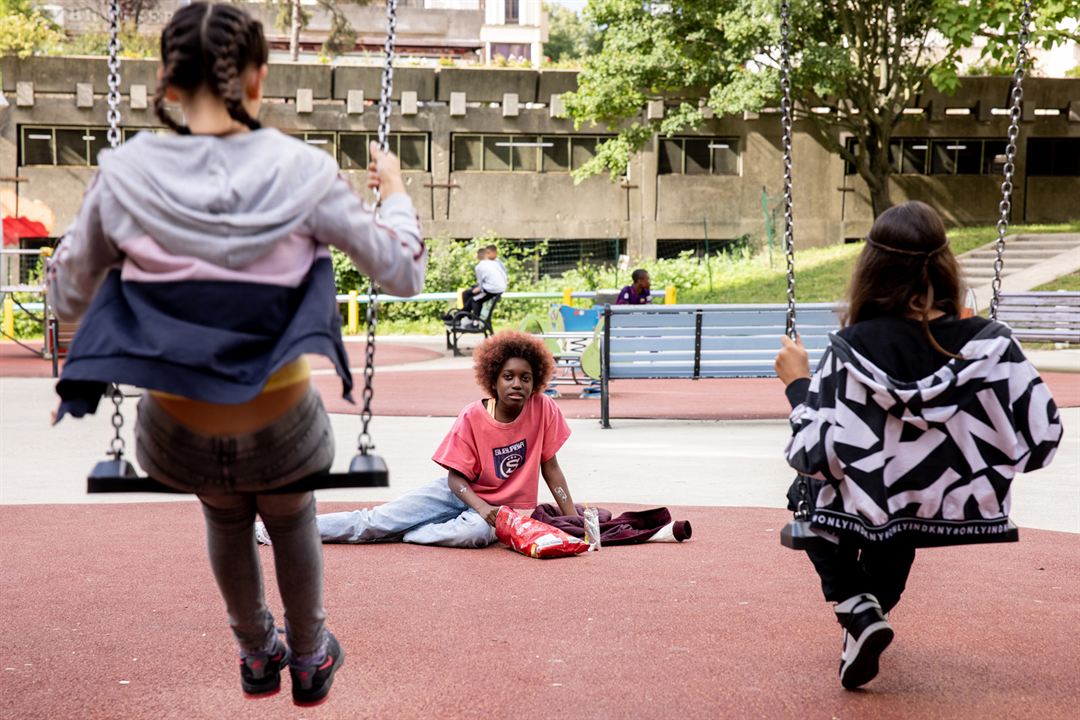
[(25, 31), (293, 17), (868, 58), (570, 36)]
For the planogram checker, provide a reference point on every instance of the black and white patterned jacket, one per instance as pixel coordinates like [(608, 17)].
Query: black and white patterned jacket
[(927, 462)]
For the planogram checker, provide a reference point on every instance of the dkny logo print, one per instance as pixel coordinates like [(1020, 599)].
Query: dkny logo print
[(508, 459)]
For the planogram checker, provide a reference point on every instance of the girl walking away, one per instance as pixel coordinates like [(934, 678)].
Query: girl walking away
[(204, 259), (911, 430), (494, 455)]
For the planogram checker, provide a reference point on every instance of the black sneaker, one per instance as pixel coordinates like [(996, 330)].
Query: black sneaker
[(866, 635), (311, 683), (260, 675)]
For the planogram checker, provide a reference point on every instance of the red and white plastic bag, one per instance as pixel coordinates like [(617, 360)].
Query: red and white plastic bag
[(534, 538)]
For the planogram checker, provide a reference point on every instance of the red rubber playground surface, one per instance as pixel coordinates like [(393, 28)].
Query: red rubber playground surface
[(110, 611)]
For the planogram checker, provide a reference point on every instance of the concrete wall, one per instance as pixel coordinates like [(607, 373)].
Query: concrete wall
[(643, 209)]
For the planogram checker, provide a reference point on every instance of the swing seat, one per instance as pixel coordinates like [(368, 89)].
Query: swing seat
[(118, 476), (798, 535)]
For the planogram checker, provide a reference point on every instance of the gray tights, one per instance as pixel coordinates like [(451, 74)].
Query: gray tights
[(298, 560)]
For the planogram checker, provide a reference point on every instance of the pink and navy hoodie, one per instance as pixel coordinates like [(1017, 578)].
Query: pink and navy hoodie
[(201, 264)]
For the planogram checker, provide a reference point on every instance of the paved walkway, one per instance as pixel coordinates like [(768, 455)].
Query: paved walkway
[(726, 625)]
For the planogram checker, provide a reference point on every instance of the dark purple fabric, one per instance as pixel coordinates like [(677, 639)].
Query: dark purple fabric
[(629, 296), (626, 529)]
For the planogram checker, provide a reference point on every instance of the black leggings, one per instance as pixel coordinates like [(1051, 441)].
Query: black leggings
[(847, 570)]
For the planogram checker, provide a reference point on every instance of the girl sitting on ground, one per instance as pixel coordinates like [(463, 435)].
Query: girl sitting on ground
[(205, 254), (912, 428), (494, 455)]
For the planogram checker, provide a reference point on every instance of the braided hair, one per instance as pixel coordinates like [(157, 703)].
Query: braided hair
[(210, 45)]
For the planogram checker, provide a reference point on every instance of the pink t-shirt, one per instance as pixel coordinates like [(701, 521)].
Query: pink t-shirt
[(501, 461)]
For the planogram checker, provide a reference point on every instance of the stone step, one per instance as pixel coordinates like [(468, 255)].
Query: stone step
[(975, 262), (1010, 251), (1058, 245), (989, 266)]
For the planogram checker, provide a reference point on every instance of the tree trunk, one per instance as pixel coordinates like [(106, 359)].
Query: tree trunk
[(294, 32), (879, 170), (880, 201)]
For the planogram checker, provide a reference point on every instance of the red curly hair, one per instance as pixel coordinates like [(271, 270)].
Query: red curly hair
[(490, 356)]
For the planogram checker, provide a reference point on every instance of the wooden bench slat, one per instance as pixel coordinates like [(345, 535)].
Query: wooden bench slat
[(712, 342)]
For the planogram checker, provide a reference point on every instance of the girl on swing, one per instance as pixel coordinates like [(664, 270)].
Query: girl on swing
[(204, 259), (910, 431)]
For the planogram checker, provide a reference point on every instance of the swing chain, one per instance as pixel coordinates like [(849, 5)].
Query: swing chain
[(364, 442), (786, 125), (116, 445), (1015, 114), (388, 75), (113, 99)]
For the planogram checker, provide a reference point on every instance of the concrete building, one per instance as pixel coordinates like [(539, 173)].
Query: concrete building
[(487, 150), (469, 30), (514, 29)]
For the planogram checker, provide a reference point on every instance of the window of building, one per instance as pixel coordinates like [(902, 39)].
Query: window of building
[(698, 156), (1052, 156), (71, 146), (411, 149), (38, 146), (944, 156), (512, 12), (556, 153), (321, 140), (522, 153)]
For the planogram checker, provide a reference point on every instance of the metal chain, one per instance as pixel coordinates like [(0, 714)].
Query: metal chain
[(1015, 113), (113, 115), (364, 443), (802, 508), (786, 124), (116, 446)]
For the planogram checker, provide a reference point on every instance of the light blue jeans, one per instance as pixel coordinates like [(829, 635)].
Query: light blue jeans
[(429, 515)]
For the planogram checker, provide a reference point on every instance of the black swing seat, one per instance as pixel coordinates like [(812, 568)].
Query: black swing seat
[(119, 476), (799, 535)]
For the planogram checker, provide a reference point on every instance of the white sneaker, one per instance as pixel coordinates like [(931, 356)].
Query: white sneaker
[(866, 635), (261, 536)]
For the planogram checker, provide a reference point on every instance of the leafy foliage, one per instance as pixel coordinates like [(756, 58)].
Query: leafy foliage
[(26, 33), (132, 44), (873, 56), (743, 275), (570, 37)]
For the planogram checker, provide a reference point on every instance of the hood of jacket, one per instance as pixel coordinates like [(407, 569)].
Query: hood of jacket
[(226, 200), (985, 358)]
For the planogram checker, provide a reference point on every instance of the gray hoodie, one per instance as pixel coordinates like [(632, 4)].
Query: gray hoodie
[(229, 203)]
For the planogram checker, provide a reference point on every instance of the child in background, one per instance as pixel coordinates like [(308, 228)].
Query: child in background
[(205, 255), (494, 455), (913, 427), (638, 292)]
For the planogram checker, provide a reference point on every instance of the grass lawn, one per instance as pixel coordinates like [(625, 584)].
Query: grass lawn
[(822, 274), (1070, 283)]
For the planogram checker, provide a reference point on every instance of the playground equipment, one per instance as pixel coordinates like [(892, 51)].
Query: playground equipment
[(366, 469), (798, 534)]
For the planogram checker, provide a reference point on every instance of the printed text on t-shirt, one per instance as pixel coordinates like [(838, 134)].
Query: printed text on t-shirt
[(508, 459)]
